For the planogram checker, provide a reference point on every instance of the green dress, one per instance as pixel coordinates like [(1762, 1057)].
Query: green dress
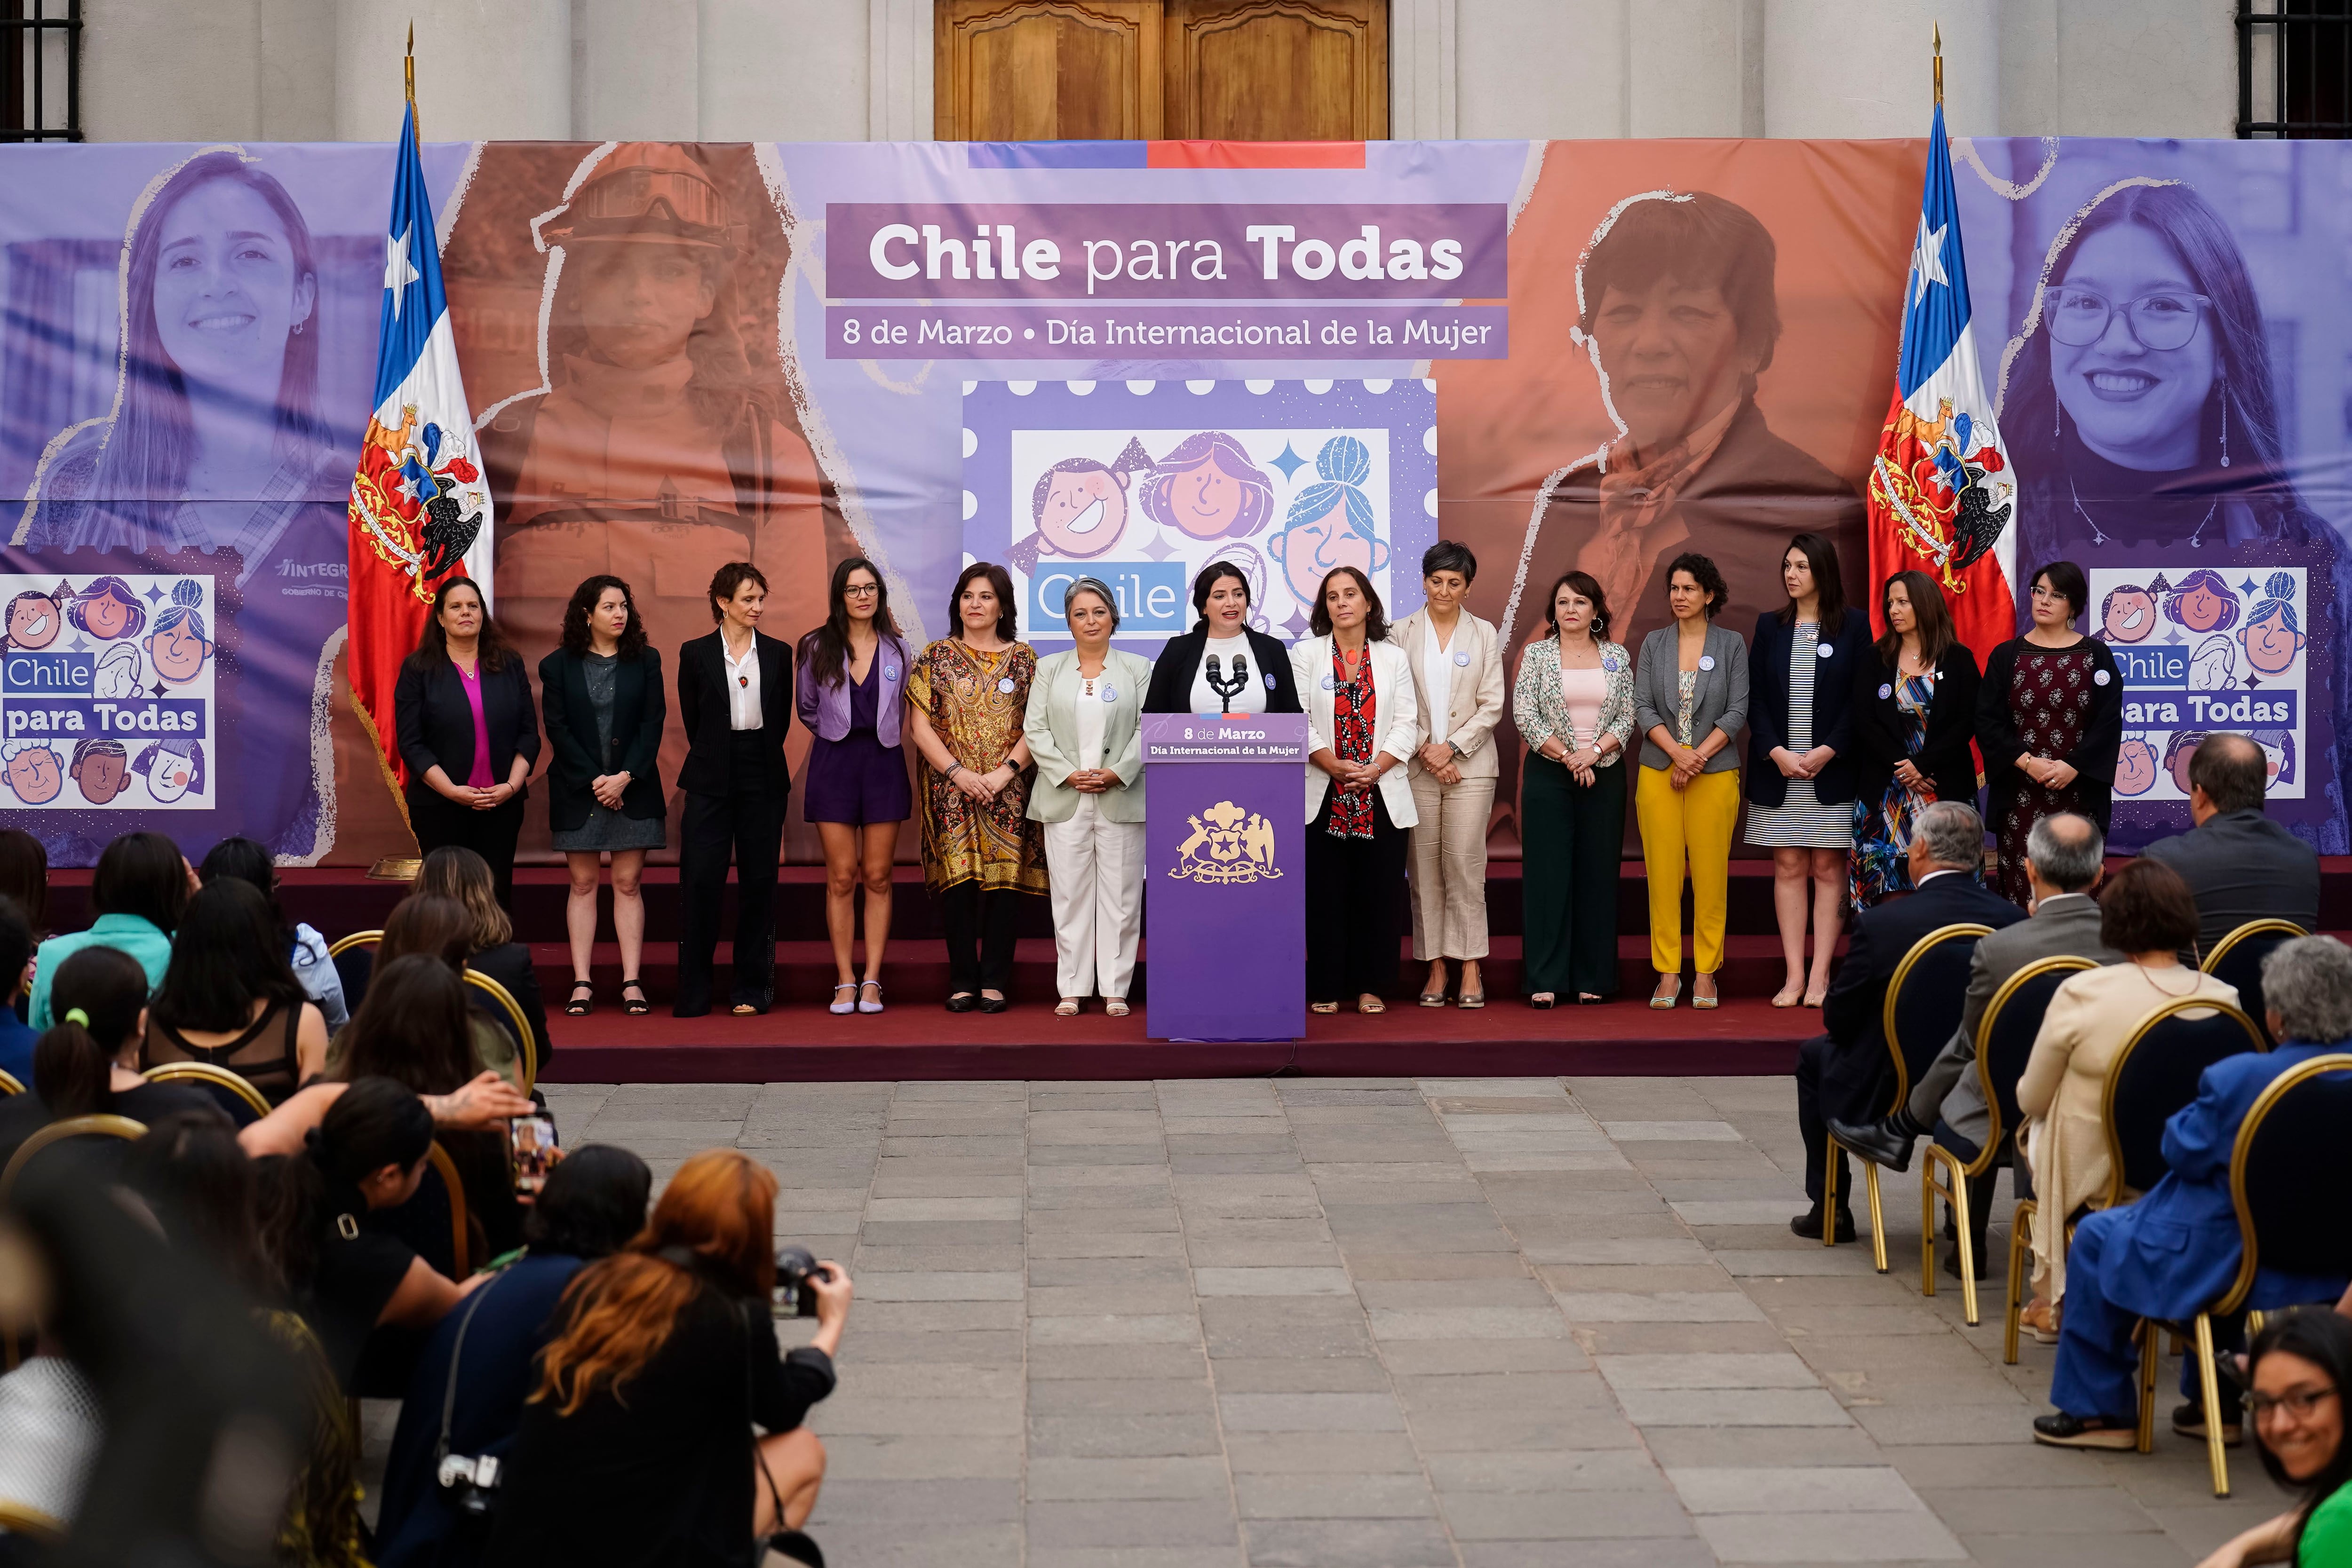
[(2327, 1534)]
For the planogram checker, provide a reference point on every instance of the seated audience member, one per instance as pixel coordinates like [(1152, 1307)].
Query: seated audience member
[(203, 1189), (1845, 1073), (230, 999), (345, 1273), (2239, 864), (2062, 858), (2145, 915), (455, 871), (2171, 1254), (637, 1446), (443, 928), (305, 949), (137, 893), (2301, 1374), (594, 1201), (16, 1036), (51, 1427), (25, 877), (86, 1064)]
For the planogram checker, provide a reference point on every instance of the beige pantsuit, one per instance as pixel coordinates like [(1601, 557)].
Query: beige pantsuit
[(1097, 866), (1449, 842)]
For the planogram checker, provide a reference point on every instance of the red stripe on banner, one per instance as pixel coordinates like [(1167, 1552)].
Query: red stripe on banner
[(1254, 155)]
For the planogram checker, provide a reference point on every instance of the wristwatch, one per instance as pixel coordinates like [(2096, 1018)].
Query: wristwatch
[(1458, 753)]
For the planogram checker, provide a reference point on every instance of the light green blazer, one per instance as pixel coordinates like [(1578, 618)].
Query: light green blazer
[(1052, 726)]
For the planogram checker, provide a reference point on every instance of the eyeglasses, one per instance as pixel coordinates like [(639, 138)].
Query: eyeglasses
[(2079, 318), (2298, 1403), (860, 590)]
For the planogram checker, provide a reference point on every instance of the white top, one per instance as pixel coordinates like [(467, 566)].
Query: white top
[(1092, 711), (1437, 681), (743, 685), (1251, 698)]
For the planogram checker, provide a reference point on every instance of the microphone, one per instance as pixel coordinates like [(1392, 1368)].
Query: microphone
[(1241, 668), (1228, 687)]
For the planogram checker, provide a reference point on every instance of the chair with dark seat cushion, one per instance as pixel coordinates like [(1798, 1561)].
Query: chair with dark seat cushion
[(2155, 1074), (2237, 961)]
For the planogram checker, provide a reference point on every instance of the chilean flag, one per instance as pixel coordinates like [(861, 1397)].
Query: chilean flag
[(1943, 494), (419, 509)]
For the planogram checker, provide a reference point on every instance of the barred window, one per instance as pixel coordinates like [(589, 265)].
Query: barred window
[(2295, 69), (40, 70)]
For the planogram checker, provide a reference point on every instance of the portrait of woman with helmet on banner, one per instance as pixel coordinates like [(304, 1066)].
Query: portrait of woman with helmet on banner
[(645, 431)]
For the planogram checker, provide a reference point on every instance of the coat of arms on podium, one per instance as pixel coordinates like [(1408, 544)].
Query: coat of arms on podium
[(1227, 844)]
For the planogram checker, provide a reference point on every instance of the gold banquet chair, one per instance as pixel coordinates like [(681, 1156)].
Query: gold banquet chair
[(2236, 961), (8, 1084), (510, 1017), (1922, 1000), (219, 1082), (122, 1127), (2291, 1187), (2004, 1040)]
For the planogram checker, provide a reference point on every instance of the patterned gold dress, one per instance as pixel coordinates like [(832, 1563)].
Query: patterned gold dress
[(976, 703)]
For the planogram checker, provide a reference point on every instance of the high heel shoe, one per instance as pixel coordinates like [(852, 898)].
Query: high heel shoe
[(1706, 999), (1662, 998)]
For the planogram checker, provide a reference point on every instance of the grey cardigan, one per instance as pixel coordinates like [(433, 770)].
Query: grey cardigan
[(1721, 702)]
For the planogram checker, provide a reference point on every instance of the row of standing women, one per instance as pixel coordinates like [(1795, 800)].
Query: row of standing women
[(1848, 737)]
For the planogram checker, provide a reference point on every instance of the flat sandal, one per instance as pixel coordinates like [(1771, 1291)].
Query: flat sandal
[(578, 1006), (636, 1006)]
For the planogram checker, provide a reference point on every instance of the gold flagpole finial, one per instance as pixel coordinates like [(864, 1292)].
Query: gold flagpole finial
[(408, 71), (1938, 36)]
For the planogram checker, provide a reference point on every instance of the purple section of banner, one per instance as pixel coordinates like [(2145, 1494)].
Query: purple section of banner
[(1320, 333), (1225, 876), (1164, 251)]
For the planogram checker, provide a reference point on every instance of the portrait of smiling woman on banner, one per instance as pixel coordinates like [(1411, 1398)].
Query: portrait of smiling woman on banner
[(214, 459)]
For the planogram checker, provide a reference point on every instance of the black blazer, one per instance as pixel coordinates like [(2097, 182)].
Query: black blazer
[(2242, 866), (1878, 726), (639, 707), (1858, 1076), (1849, 645), (435, 723), (2094, 760), (1170, 690), (702, 703)]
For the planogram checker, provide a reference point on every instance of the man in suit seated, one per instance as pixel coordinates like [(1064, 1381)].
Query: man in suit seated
[(2062, 858), (2239, 864), (2171, 1254), (1846, 1073)]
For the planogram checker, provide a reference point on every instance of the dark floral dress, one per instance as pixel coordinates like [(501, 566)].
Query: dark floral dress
[(1354, 717), (2050, 691)]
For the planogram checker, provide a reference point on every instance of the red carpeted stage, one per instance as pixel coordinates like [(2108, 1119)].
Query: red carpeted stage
[(799, 1040)]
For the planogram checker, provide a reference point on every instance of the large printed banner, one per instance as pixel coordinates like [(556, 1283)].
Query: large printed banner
[(1125, 361)]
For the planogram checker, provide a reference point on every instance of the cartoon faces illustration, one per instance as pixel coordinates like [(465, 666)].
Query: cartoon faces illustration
[(2184, 745), (34, 621), (2211, 665), (116, 675), (173, 768), (1208, 489), (2127, 614), (2202, 603), (101, 771), (33, 769), (178, 645), (1331, 522), (108, 609), (2136, 769), (2273, 635), (2278, 755), (1079, 507)]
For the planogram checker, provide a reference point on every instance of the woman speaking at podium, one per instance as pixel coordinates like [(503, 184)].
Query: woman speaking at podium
[(1221, 665)]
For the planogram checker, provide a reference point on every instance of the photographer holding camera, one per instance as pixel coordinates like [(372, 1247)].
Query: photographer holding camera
[(636, 1444)]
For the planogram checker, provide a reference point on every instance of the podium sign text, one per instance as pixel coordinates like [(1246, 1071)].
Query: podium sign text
[(1224, 909)]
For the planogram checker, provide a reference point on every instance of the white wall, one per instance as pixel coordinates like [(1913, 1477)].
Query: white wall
[(851, 69)]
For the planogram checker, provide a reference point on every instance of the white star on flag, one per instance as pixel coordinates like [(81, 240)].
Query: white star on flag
[(398, 272), (1927, 259)]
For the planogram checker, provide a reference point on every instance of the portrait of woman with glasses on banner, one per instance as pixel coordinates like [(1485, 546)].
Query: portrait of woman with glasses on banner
[(2143, 411)]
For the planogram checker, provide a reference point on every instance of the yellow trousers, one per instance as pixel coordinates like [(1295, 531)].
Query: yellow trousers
[(1694, 823)]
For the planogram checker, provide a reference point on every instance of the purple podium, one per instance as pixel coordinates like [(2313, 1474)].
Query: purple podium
[(1226, 905)]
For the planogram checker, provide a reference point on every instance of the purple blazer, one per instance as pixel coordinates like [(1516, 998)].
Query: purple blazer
[(826, 711)]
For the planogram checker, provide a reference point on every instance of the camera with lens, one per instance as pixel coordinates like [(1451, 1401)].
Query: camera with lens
[(471, 1483), (795, 1295)]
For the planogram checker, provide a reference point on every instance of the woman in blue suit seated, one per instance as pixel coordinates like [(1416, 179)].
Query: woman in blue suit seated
[(1085, 729), (592, 1203)]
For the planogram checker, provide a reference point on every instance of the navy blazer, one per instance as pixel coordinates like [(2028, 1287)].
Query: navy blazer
[(1858, 1077), (1879, 727), (639, 708), (435, 723), (709, 768), (2171, 1255), (1846, 643)]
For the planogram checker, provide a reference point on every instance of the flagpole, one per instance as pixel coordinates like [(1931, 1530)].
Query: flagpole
[(1936, 33), (408, 71)]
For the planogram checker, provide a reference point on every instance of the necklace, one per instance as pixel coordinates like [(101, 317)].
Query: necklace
[(2196, 539), (2149, 975)]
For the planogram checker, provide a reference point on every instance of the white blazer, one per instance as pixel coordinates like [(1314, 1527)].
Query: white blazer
[(1396, 708)]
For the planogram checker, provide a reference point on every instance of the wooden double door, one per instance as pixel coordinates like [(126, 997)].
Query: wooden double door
[(1242, 70)]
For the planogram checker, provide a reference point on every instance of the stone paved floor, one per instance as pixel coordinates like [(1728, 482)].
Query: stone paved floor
[(1378, 1323)]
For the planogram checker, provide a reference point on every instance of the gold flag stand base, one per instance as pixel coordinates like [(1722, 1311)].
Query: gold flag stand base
[(395, 868)]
